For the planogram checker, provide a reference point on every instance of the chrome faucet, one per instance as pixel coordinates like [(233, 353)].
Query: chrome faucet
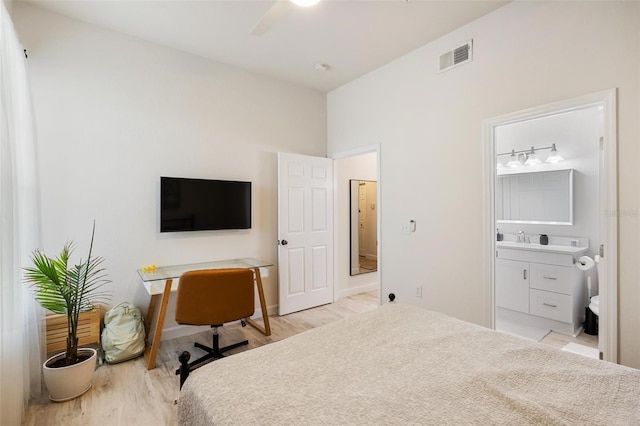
[(522, 238)]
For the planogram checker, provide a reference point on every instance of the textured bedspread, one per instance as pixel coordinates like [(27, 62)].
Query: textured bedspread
[(408, 366)]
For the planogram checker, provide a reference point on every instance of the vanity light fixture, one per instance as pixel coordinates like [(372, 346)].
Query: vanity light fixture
[(529, 157), (554, 156)]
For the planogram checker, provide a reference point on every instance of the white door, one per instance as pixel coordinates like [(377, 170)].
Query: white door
[(305, 232)]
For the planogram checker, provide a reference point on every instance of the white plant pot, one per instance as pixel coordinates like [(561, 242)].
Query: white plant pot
[(65, 383)]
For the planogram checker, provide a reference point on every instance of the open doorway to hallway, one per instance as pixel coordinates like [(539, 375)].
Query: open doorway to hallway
[(357, 251)]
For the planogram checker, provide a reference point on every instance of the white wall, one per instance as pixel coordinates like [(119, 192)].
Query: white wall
[(115, 113), (362, 167), (430, 126)]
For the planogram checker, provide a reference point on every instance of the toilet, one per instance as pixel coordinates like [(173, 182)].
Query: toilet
[(595, 305)]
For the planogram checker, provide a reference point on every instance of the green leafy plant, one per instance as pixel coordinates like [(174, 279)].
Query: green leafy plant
[(66, 289)]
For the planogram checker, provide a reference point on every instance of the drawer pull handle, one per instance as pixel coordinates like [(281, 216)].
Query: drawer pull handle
[(524, 274), (550, 278), (549, 305)]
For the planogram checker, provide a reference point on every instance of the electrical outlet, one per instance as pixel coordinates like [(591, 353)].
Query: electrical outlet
[(419, 291)]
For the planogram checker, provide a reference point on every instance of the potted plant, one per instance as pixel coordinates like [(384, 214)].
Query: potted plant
[(65, 289)]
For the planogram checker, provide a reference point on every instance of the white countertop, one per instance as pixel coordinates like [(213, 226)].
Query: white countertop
[(538, 247)]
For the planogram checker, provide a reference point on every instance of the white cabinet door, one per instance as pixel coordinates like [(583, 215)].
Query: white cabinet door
[(512, 285)]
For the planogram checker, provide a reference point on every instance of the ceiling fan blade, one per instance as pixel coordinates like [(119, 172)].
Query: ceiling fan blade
[(273, 15)]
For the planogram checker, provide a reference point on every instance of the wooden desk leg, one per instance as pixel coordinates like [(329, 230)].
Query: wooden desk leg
[(266, 330), (150, 353), (150, 312)]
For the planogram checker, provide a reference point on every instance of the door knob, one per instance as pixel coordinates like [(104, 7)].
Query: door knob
[(284, 242)]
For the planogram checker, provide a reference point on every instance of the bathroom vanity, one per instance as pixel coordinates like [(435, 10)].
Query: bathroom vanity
[(540, 285)]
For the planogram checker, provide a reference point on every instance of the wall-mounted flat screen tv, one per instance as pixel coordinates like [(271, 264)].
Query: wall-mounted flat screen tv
[(203, 205)]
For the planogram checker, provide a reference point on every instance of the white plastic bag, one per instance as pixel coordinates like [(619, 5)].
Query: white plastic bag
[(123, 333)]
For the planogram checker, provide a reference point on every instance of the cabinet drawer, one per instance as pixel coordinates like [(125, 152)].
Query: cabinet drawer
[(550, 305), (551, 278)]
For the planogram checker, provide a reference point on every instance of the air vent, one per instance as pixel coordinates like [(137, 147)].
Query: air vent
[(458, 56)]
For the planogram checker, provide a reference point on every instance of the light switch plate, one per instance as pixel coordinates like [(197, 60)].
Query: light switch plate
[(408, 227)]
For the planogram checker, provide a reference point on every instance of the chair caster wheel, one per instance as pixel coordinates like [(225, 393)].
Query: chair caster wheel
[(243, 323)]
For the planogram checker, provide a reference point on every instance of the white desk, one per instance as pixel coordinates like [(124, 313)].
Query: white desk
[(159, 284)]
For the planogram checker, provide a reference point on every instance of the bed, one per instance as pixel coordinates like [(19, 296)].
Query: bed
[(405, 365)]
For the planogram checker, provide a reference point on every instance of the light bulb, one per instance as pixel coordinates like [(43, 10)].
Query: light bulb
[(513, 159), (554, 156), (532, 158)]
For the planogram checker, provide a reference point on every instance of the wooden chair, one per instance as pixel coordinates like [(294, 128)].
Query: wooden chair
[(213, 297)]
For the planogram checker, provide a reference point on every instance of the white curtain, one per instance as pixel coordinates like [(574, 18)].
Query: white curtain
[(21, 339)]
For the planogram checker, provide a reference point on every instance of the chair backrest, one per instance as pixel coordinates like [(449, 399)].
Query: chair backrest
[(215, 296)]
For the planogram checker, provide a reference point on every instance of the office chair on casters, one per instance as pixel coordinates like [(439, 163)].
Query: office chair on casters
[(213, 297)]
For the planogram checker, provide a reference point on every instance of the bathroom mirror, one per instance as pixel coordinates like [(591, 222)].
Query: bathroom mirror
[(364, 226), (543, 197)]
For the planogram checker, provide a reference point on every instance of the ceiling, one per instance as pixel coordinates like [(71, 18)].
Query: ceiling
[(350, 37)]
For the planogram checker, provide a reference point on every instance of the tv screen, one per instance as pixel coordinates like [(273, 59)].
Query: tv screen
[(201, 204)]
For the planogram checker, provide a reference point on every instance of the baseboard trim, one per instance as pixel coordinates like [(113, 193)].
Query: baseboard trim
[(356, 290), (182, 330)]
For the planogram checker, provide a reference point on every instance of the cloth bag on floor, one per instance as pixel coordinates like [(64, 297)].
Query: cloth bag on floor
[(123, 333)]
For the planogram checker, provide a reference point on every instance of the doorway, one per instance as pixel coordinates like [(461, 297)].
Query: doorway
[(357, 206), (506, 198)]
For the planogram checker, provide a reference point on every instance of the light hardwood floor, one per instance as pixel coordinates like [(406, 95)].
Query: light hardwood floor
[(128, 394), (560, 340), (368, 265)]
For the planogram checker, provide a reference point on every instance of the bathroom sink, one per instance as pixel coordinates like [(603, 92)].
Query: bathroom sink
[(538, 247)]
